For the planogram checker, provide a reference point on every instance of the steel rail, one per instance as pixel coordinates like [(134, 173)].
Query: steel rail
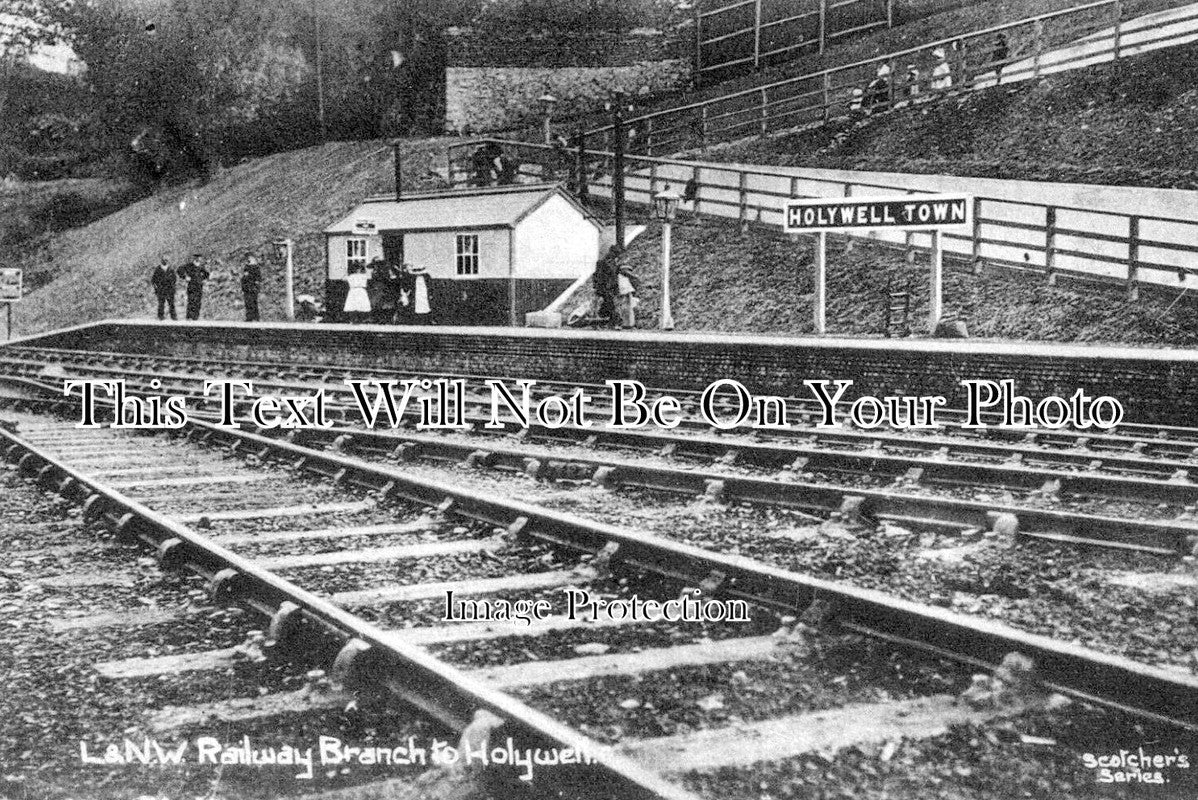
[(371, 659), (1110, 681), (1140, 437), (1147, 479)]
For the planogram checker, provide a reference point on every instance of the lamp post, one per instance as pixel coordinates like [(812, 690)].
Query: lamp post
[(665, 206), (285, 248), (547, 102)]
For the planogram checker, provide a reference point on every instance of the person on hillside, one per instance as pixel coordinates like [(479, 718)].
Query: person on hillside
[(911, 83), (195, 274), (163, 280), (999, 55), (878, 94), (251, 285), (942, 73), (357, 301), (484, 164)]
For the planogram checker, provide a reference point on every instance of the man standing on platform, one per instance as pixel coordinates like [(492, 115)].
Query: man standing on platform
[(251, 284), (163, 281), (195, 274)]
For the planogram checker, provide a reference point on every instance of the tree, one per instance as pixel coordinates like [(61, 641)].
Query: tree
[(25, 25)]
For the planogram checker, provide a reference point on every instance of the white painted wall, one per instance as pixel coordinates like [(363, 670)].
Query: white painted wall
[(556, 241), (436, 251)]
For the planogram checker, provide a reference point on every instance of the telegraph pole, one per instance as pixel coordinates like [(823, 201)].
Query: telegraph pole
[(617, 178), (324, 135)]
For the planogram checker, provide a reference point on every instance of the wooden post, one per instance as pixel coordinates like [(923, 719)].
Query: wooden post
[(1118, 27), (1037, 47), (1050, 245), (821, 276), (936, 301), (398, 165), (617, 175), (697, 61), (909, 242), (765, 114), (889, 13), (757, 35), (703, 125), (827, 96), (1133, 259), (977, 236), (744, 201), (7, 321), (652, 182), (848, 237), (580, 164), (823, 25), (697, 175)]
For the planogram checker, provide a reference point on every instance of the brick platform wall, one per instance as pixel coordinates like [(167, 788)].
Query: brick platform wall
[(1155, 386)]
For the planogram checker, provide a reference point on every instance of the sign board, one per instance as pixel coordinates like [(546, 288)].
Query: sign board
[(933, 211), (10, 285)]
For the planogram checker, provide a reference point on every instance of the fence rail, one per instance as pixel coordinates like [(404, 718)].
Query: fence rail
[(756, 33), (1006, 53), (1053, 240)]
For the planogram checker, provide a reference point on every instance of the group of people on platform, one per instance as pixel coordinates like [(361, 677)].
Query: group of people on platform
[(165, 278), (387, 293)]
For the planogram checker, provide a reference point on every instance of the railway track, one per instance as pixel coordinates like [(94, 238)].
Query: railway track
[(1076, 497), (324, 601)]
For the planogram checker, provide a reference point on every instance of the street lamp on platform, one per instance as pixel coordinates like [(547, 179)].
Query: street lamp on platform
[(286, 249), (665, 206)]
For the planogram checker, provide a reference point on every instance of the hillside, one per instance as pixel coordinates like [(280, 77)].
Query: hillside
[(1125, 123), (917, 22), (762, 282), (102, 270)]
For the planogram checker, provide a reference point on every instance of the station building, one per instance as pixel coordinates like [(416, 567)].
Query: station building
[(491, 254)]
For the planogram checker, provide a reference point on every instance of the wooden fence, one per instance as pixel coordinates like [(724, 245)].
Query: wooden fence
[(1052, 240), (1019, 50), (749, 34)]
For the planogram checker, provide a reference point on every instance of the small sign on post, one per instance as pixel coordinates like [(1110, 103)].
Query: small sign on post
[(10, 292), (933, 213)]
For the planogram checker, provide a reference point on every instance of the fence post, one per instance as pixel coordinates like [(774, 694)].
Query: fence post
[(977, 236), (823, 25), (580, 165), (649, 137), (652, 182), (1118, 27), (889, 13), (765, 114), (703, 125), (1050, 244), (1037, 47), (848, 237), (827, 96), (757, 35), (697, 61), (1133, 259), (909, 241), (744, 201), (696, 176)]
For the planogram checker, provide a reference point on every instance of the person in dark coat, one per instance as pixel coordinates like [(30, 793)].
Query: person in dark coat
[(485, 164), (163, 281), (195, 274), (251, 286)]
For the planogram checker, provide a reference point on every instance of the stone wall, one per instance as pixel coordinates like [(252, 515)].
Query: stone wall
[(1155, 386), (480, 99)]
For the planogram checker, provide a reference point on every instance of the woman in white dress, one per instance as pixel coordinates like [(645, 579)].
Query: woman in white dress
[(421, 309), (357, 301)]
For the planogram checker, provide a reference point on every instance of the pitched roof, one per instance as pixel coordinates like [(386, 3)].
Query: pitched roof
[(498, 207)]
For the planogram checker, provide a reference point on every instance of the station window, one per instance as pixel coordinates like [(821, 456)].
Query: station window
[(467, 254), (355, 253)]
